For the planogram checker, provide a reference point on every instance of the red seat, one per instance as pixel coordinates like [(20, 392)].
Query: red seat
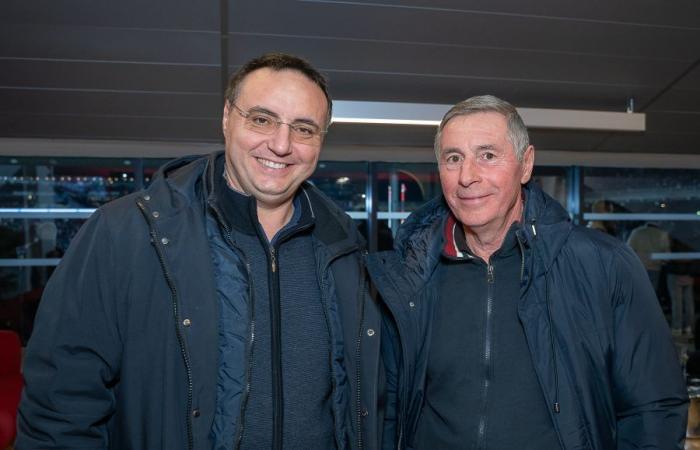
[(11, 384)]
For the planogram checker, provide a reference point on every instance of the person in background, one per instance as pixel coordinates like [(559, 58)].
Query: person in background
[(680, 279), (646, 240), (224, 307), (514, 328), (605, 226)]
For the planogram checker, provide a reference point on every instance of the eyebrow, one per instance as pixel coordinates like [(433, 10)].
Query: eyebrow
[(486, 147), (274, 114)]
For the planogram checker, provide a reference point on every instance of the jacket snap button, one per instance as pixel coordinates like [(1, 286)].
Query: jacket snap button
[(147, 197), (195, 413), (411, 304), (187, 322), (165, 241), (156, 214), (370, 332)]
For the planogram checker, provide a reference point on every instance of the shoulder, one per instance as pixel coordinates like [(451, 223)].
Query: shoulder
[(595, 250), (333, 223), (176, 185), (588, 240), (422, 230)]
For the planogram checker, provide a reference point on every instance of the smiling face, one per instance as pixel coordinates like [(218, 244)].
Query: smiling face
[(270, 167), (480, 175)]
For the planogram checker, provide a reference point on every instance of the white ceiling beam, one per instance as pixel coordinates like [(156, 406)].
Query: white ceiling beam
[(349, 111)]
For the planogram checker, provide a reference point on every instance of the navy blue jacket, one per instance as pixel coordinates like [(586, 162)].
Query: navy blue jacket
[(124, 351), (600, 346)]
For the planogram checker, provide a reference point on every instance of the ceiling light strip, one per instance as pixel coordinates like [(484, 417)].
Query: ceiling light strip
[(426, 114)]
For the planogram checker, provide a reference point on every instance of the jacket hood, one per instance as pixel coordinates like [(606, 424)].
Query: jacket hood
[(418, 243), (544, 216), (183, 174)]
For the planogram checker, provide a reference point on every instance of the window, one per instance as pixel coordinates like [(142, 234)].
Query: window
[(657, 212)]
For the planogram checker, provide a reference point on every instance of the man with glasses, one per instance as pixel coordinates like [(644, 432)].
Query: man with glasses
[(517, 329), (224, 307)]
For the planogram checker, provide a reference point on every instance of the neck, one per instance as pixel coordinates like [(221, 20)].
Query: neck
[(272, 219), (485, 241)]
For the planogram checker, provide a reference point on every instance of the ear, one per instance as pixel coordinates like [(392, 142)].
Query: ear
[(224, 120), (528, 163)]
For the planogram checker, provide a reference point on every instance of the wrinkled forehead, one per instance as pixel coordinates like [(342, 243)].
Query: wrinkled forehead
[(479, 129)]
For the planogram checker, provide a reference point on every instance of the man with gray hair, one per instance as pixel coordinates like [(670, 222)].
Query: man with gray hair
[(516, 328)]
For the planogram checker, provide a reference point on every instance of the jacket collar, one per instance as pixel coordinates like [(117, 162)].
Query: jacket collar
[(184, 181), (421, 239), (239, 210), (457, 248), (544, 216)]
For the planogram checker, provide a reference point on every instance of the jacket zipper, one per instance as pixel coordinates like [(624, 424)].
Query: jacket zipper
[(251, 343), (481, 438), (275, 331), (176, 316), (276, 337), (358, 370), (251, 338)]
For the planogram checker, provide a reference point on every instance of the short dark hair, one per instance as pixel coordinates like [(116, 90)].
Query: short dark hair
[(278, 62)]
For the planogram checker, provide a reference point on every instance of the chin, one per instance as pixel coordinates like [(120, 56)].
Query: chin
[(472, 222)]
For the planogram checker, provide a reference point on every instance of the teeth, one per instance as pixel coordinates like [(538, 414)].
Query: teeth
[(271, 164)]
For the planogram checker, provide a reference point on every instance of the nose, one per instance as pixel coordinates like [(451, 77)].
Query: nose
[(468, 173), (280, 141)]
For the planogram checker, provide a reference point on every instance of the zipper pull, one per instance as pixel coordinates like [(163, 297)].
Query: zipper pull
[(489, 273), (273, 261)]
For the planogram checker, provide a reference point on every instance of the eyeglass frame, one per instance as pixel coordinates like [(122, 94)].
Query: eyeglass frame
[(278, 123)]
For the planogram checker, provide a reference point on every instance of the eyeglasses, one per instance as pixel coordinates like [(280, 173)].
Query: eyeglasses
[(265, 123)]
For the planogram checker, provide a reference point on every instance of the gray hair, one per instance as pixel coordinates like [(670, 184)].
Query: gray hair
[(517, 132)]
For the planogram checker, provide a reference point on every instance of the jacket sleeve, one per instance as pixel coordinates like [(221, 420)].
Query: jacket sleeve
[(648, 387), (73, 356)]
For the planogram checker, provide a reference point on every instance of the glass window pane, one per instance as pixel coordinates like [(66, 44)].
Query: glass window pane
[(404, 187), (641, 190), (552, 180), (344, 182), (36, 238), (657, 212), (64, 182)]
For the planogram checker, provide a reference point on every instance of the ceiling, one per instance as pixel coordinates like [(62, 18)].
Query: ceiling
[(154, 71)]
